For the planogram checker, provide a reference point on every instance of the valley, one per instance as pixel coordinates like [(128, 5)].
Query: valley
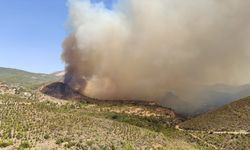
[(33, 120)]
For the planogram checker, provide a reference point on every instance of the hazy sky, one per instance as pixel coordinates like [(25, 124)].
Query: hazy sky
[(31, 34)]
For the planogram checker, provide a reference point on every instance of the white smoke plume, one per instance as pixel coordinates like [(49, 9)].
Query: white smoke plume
[(146, 49)]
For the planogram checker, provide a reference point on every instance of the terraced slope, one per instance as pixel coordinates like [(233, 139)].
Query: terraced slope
[(35, 124)]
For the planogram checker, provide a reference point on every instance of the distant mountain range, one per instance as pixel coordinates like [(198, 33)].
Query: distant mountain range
[(26, 79)]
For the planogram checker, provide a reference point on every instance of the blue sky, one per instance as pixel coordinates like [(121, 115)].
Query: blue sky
[(32, 32)]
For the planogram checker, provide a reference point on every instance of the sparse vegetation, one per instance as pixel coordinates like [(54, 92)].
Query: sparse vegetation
[(231, 117), (30, 120), (225, 128), (32, 123)]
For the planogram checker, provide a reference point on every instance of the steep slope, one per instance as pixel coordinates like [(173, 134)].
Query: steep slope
[(24, 78), (231, 117)]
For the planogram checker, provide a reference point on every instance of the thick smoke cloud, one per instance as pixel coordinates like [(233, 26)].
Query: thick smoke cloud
[(157, 49)]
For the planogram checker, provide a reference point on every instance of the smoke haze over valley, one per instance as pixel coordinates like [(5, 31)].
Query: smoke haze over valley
[(147, 49)]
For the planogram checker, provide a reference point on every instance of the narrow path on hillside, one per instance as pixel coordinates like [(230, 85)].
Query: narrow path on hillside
[(197, 138), (203, 141), (241, 132), (191, 133)]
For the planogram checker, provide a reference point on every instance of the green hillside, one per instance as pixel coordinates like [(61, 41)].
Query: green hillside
[(23, 78)]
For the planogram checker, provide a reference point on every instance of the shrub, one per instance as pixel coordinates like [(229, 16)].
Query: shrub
[(128, 147), (19, 136), (24, 145), (5, 143), (46, 136), (59, 141), (70, 144)]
